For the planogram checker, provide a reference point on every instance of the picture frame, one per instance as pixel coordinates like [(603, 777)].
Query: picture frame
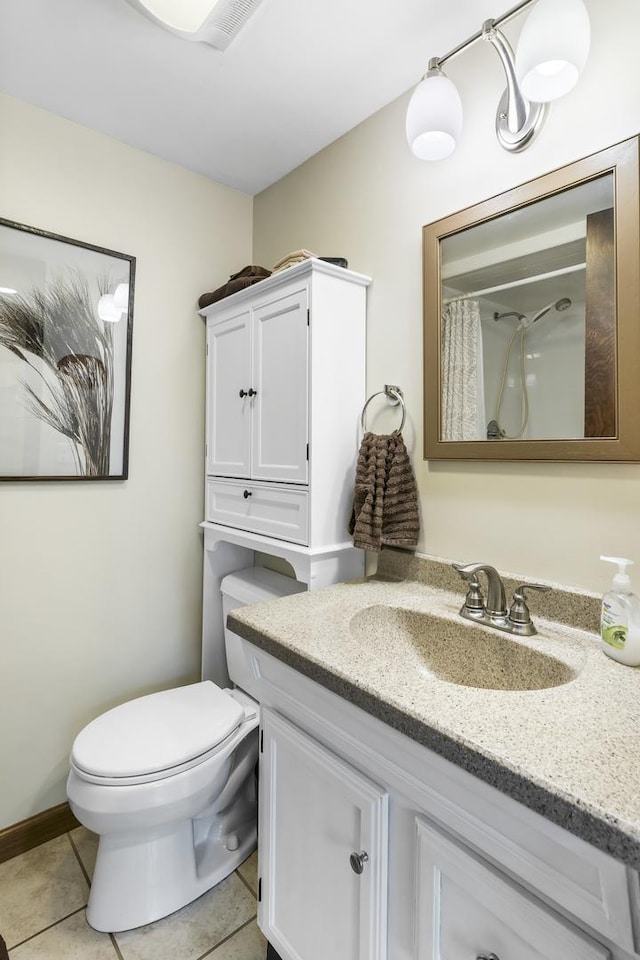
[(66, 326)]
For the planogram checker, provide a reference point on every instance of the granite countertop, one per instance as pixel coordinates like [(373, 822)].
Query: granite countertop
[(570, 752)]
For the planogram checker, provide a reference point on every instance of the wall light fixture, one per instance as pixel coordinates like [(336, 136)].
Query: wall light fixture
[(550, 56)]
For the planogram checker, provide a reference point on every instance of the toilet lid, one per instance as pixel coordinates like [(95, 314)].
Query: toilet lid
[(157, 732)]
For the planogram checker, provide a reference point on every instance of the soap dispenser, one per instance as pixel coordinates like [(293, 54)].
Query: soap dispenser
[(620, 622)]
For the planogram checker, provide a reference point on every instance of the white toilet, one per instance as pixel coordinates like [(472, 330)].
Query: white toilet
[(168, 782)]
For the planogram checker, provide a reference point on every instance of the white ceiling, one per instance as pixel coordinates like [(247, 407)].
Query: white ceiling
[(298, 75)]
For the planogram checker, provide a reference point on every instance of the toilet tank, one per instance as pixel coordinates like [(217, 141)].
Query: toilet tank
[(251, 585)]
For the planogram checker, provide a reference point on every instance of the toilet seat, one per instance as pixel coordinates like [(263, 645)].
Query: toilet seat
[(157, 736)]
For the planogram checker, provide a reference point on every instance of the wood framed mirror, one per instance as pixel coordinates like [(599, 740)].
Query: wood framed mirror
[(532, 319)]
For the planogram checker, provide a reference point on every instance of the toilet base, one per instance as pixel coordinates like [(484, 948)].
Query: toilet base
[(138, 879)]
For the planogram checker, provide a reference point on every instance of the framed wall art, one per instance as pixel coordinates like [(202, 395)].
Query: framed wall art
[(66, 319)]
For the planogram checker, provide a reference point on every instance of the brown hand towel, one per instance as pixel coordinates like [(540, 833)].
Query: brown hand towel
[(237, 281), (385, 503), (253, 270)]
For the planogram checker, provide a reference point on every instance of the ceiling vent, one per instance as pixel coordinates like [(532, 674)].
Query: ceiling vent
[(215, 22), (226, 20)]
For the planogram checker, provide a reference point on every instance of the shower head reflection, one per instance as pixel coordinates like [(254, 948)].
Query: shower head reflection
[(562, 304)]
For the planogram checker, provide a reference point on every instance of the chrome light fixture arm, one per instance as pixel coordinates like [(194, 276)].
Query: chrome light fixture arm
[(517, 119)]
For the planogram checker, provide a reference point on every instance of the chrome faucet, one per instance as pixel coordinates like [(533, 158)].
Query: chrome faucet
[(494, 613), (496, 602)]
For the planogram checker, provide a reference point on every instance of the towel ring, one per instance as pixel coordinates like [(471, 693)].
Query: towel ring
[(394, 396)]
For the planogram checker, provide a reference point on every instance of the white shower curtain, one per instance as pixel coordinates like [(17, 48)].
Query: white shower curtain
[(463, 413)]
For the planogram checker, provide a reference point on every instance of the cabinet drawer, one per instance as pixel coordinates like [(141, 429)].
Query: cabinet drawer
[(561, 868), (275, 511), (467, 909)]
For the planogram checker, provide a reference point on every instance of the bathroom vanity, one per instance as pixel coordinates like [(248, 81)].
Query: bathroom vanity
[(407, 815)]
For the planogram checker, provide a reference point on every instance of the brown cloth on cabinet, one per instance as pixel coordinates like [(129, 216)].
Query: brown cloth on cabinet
[(385, 503), (237, 281)]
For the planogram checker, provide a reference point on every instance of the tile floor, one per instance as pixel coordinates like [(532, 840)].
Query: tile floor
[(43, 894)]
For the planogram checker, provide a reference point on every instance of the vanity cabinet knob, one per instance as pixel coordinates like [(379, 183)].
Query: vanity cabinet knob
[(252, 392), (243, 393), (357, 861), (487, 956), (247, 493)]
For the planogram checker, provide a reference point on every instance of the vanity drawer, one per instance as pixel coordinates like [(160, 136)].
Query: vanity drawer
[(551, 862), (466, 908), (271, 509)]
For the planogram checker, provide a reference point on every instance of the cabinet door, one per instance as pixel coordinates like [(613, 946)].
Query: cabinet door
[(466, 909), (315, 812), (281, 379), (229, 414)]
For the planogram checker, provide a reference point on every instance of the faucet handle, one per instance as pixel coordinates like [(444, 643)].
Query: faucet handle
[(519, 593), (474, 605), (519, 612)]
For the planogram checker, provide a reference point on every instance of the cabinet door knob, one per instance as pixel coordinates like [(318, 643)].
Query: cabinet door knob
[(487, 956), (358, 860), (252, 392), (243, 393), (247, 493)]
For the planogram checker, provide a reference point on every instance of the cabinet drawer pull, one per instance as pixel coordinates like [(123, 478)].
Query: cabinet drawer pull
[(247, 493), (358, 860), (252, 392)]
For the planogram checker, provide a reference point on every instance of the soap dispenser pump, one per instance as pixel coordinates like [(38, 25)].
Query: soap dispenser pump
[(620, 621)]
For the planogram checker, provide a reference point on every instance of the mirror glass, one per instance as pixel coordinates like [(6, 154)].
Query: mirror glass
[(514, 293), (531, 302)]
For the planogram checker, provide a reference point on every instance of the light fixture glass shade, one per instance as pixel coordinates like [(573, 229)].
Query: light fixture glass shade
[(552, 49), (121, 297), (434, 117), (186, 15), (107, 310)]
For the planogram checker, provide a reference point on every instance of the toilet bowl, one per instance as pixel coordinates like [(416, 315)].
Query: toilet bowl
[(168, 782)]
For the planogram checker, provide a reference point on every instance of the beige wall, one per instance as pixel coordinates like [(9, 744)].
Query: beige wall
[(100, 589), (366, 198)]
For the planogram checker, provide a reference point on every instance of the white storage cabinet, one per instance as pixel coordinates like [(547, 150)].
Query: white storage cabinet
[(285, 388)]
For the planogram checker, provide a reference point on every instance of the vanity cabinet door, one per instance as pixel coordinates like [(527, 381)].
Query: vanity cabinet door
[(466, 909), (322, 851)]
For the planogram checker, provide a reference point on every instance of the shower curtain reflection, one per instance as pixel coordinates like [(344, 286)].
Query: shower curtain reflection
[(463, 414)]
